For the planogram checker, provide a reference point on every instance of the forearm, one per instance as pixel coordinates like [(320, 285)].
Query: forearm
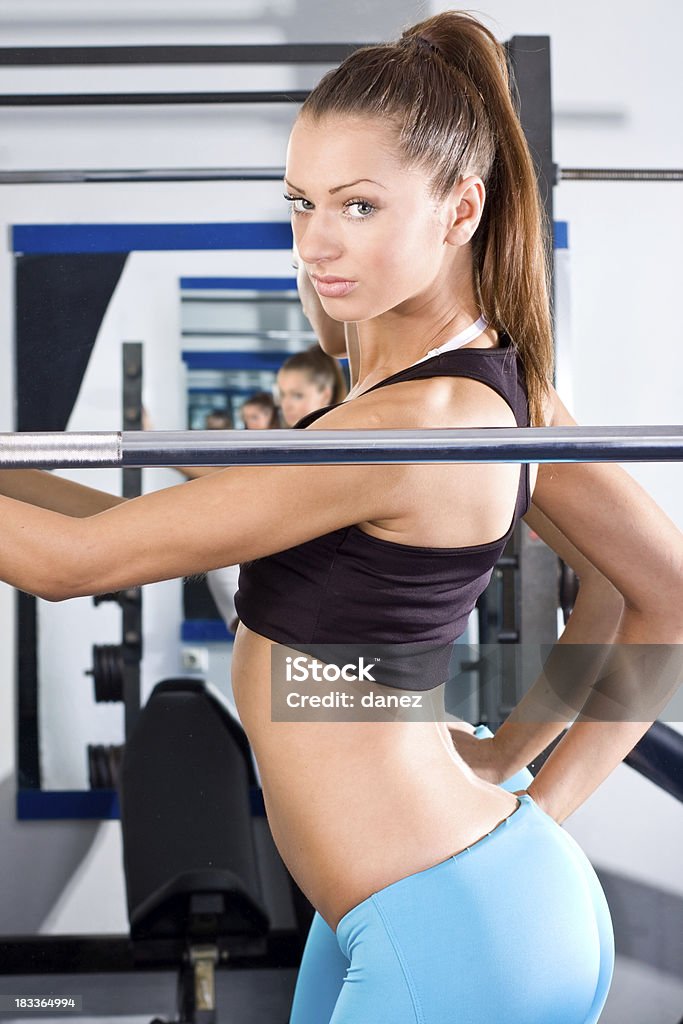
[(45, 490), (638, 679), (560, 691)]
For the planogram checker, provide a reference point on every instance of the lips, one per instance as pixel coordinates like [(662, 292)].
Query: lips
[(333, 287)]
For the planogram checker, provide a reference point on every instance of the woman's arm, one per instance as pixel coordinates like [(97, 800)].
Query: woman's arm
[(45, 490), (227, 517), (553, 701), (618, 528)]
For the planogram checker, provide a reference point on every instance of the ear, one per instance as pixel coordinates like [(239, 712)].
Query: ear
[(464, 207)]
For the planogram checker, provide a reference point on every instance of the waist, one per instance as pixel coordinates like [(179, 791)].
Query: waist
[(270, 694), (353, 806)]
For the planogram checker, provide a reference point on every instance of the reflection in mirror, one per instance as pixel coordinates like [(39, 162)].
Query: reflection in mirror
[(215, 326), (234, 341)]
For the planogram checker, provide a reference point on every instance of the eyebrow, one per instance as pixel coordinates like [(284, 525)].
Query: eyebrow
[(338, 188)]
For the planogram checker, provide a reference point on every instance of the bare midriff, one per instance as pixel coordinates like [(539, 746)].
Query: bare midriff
[(355, 806)]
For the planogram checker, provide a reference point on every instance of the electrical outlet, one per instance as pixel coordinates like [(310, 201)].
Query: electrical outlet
[(195, 659)]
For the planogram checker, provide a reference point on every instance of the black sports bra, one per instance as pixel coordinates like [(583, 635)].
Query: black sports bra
[(348, 587)]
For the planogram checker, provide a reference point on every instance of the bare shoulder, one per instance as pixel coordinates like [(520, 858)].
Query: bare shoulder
[(448, 504), (556, 413), (435, 402)]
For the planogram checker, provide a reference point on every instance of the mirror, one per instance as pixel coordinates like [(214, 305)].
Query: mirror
[(216, 312)]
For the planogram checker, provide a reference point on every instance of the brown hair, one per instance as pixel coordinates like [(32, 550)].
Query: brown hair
[(265, 401), (322, 369), (445, 87)]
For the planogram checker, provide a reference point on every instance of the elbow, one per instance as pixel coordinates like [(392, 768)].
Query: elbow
[(56, 591), (601, 595), (64, 581), (603, 590), (662, 616)]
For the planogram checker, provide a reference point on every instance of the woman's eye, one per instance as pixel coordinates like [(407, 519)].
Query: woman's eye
[(357, 209), (363, 209), (299, 204)]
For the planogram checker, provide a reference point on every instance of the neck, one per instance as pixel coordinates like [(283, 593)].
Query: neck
[(402, 336)]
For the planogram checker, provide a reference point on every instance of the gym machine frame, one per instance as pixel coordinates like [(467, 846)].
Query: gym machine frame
[(530, 63)]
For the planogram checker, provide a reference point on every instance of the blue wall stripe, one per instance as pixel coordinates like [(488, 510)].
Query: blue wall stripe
[(234, 360), (93, 804), (87, 238), (38, 804), (237, 360), (206, 630), (561, 234), (261, 284)]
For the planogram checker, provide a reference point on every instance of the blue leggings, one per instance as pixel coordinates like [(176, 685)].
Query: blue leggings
[(515, 928)]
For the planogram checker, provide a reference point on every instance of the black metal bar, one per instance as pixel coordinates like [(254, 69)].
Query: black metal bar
[(160, 174), (658, 755), (131, 609), (154, 99), (530, 60), (28, 726), (69, 177), (619, 174), (81, 56)]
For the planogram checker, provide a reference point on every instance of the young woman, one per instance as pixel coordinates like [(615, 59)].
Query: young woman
[(259, 412), (307, 381), (416, 216)]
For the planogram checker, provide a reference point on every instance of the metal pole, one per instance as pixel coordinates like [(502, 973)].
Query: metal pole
[(618, 174), (330, 447), (141, 175), (188, 174), (137, 99), (264, 53)]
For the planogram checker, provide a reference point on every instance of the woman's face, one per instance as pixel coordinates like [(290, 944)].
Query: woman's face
[(300, 395), (255, 417), (373, 240)]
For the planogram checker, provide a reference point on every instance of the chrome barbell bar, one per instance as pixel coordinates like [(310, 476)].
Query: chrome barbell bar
[(326, 447)]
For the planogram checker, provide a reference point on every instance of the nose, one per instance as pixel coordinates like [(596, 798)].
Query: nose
[(289, 413), (316, 239)]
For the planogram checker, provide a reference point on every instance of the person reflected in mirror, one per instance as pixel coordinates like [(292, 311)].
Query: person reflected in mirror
[(309, 381), (219, 419), (260, 412)]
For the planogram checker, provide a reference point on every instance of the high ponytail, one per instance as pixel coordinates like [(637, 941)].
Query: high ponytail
[(445, 88)]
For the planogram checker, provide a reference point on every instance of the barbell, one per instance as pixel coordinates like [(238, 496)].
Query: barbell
[(325, 447)]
